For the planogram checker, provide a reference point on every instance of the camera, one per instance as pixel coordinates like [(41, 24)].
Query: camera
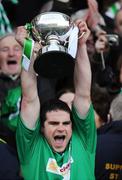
[(113, 39)]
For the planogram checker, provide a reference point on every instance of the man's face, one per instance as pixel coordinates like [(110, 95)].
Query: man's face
[(119, 23), (57, 129), (10, 56)]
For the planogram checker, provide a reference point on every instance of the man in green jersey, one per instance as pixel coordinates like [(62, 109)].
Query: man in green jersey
[(54, 144)]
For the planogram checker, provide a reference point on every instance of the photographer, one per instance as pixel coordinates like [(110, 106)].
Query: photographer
[(107, 53)]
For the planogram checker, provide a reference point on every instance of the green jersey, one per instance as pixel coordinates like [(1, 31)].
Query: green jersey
[(11, 107), (40, 162)]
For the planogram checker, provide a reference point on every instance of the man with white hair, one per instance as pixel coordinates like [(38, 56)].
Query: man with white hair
[(10, 63), (10, 68), (10, 92)]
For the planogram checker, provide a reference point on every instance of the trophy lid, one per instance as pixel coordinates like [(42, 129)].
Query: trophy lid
[(51, 23)]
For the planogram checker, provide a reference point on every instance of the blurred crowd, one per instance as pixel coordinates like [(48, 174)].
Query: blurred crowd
[(104, 46)]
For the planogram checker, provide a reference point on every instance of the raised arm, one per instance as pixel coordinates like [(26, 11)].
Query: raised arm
[(82, 72), (30, 105)]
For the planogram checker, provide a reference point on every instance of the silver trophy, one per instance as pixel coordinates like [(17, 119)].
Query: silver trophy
[(53, 29)]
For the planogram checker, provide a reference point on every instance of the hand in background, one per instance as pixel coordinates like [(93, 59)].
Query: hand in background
[(101, 44)]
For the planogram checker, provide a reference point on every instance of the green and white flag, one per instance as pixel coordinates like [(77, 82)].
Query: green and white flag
[(112, 10), (27, 53), (5, 26)]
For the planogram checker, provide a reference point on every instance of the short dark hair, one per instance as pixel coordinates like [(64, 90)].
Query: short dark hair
[(101, 100), (52, 105)]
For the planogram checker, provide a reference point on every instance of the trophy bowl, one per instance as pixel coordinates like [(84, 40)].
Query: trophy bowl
[(52, 29)]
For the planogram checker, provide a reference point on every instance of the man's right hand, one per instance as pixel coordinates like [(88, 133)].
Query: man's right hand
[(21, 35)]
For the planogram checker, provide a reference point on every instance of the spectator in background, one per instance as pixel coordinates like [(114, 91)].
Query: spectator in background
[(9, 166), (10, 65), (109, 144), (10, 91), (108, 46), (108, 51), (101, 100)]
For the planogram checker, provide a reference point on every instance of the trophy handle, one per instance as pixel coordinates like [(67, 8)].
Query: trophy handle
[(32, 32), (81, 35), (28, 27)]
